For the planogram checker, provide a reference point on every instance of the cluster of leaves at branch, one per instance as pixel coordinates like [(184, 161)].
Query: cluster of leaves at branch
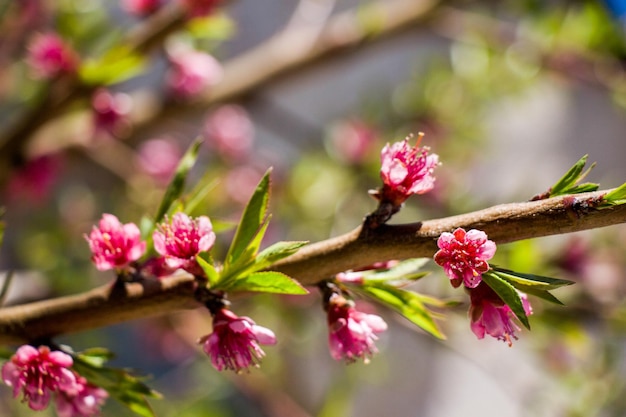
[(570, 183)]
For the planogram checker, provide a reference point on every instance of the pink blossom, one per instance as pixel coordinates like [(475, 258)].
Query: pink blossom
[(180, 240), (84, 401), (38, 373), (352, 333), (199, 8), (463, 255), (111, 112), (406, 170), (113, 244), (34, 180), (141, 7), (352, 140), (49, 56), (490, 315), (159, 158), (192, 72), (234, 343), (230, 131)]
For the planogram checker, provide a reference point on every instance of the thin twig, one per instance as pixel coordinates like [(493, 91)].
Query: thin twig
[(503, 223)]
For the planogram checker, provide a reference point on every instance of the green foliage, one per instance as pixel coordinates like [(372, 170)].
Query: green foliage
[(508, 294), (269, 281), (536, 285), (570, 182), (119, 383), (615, 197), (117, 65)]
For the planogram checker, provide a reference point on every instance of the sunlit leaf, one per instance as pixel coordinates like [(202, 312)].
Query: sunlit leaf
[(616, 196), (568, 184), (117, 65), (209, 270), (275, 253), (508, 294), (530, 280), (270, 281)]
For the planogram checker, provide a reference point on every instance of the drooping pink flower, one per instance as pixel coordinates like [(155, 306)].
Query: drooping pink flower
[(192, 72), (113, 244), (182, 238), (159, 158), (490, 315), (49, 56), (83, 401), (199, 8), (38, 373), (234, 343), (464, 255), (406, 170), (230, 131), (111, 112), (141, 8), (352, 333)]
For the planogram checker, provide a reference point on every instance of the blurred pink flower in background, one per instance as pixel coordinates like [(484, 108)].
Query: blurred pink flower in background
[(234, 342), (230, 131), (35, 179), (241, 182), (113, 244), (159, 158), (199, 8), (192, 72), (352, 140), (49, 56), (83, 401), (141, 8), (111, 112)]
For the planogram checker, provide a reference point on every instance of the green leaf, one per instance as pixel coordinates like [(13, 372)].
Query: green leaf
[(530, 280), (252, 220), (508, 294), (407, 303), (177, 185), (616, 196), (543, 294), (117, 65), (275, 253), (199, 193), (217, 26), (270, 281), (209, 270), (571, 177), (242, 265)]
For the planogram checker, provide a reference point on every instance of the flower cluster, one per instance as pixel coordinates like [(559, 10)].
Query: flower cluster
[(234, 342), (406, 170), (38, 374)]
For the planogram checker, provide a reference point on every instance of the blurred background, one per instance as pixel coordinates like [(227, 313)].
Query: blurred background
[(509, 93)]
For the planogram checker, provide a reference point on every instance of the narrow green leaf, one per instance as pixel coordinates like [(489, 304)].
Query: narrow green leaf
[(530, 280), (117, 65), (270, 281), (275, 253), (199, 193), (209, 270), (508, 294), (543, 294), (136, 403), (177, 185), (252, 219), (616, 196), (583, 188), (570, 177), (407, 303)]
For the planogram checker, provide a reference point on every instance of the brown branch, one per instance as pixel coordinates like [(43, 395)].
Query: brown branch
[(503, 223)]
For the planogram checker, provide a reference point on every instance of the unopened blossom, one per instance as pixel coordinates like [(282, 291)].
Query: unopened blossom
[(192, 72), (111, 112), (406, 170), (464, 255), (235, 341), (181, 238), (229, 131), (141, 7), (199, 8), (490, 315), (113, 244), (352, 333), (49, 56), (38, 373), (83, 401)]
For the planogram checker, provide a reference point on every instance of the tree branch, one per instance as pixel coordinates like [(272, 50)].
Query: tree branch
[(504, 223)]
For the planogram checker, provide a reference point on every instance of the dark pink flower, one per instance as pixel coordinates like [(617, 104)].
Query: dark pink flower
[(84, 401), (159, 158), (490, 315), (49, 56), (192, 72), (352, 333), (199, 8), (182, 238), (37, 373), (230, 131), (111, 112), (234, 343), (406, 170), (141, 8), (113, 244), (463, 255)]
